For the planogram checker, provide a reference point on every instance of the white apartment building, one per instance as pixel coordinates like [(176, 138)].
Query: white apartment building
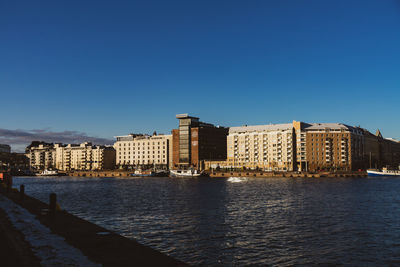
[(143, 150), (269, 147), (84, 156), (42, 156), (71, 157)]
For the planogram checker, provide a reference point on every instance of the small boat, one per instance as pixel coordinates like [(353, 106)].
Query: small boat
[(48, 173), (237, 179), (384, 172), (185, 173)]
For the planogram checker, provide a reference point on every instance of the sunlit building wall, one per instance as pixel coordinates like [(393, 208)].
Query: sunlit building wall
[(143, 150)]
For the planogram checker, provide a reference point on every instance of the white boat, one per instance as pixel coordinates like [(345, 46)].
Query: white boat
[(48, 173), (384, 172), (237, 179), (185, 173)]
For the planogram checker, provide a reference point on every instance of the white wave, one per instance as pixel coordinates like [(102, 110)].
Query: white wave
[(237, 179)]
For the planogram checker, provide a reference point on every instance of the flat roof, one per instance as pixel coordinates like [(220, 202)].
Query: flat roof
[(185, 116), (261, 128)]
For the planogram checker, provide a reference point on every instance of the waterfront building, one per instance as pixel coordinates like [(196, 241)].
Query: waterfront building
[(329, 146), (14, 162), (196, 141), (84, 156), (381, 152), (301, 146), (41, 155), (68, 157), (268, 147), (5, 148), (143, 151)]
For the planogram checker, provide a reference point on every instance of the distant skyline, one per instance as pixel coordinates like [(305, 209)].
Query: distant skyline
[(97, 69)]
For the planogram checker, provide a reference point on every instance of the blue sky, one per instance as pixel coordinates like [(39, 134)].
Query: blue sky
[(107, 68)]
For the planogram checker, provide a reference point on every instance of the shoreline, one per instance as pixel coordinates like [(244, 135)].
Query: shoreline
[(258, 174), (222, 174)]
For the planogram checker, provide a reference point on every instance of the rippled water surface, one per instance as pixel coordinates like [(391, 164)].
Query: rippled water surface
[(257, 221)]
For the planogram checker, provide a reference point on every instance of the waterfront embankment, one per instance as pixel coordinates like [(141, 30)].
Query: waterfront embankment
[(260, 174), (100, 245), (112, 173), (245, 173)]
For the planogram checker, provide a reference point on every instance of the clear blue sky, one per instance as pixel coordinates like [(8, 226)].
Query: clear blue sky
[(109, 68)]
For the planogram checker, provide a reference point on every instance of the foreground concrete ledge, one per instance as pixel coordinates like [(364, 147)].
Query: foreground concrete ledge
[(97, 243)]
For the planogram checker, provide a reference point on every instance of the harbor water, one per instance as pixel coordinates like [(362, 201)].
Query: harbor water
[(242, 221)]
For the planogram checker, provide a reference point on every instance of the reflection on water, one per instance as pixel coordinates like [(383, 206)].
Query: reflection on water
[(259, 221)]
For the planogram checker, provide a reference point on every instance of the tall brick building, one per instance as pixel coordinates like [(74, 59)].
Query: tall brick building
[(196, 141), (329, 146)]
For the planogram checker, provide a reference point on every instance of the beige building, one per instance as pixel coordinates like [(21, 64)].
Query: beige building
[(84, 156), (269, 147), (137, 150), (41, 156)]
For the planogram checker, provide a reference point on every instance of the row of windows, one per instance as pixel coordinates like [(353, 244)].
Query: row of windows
[(143, 157), (132, 148), (144, 143), (265, 161), (144, 152), (141, 162), (323, 149)]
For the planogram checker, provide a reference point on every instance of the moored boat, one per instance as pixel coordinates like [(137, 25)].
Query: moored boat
[(383, 172), (48, 173), (185, 173)]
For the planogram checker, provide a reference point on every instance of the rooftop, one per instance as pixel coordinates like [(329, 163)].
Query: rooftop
[(333, 126), (261, 128), (185, 116)]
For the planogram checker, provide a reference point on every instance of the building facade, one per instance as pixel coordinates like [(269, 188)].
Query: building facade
[(268, 147), (5, 148), (84, 156), (196, 141), (381, 152), (143, 151), (329, 146), (301, 146), (67, 157), (41, 156)]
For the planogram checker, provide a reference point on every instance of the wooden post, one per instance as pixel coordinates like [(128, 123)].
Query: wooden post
[(52, 205), (22, 191), (8, 182)]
